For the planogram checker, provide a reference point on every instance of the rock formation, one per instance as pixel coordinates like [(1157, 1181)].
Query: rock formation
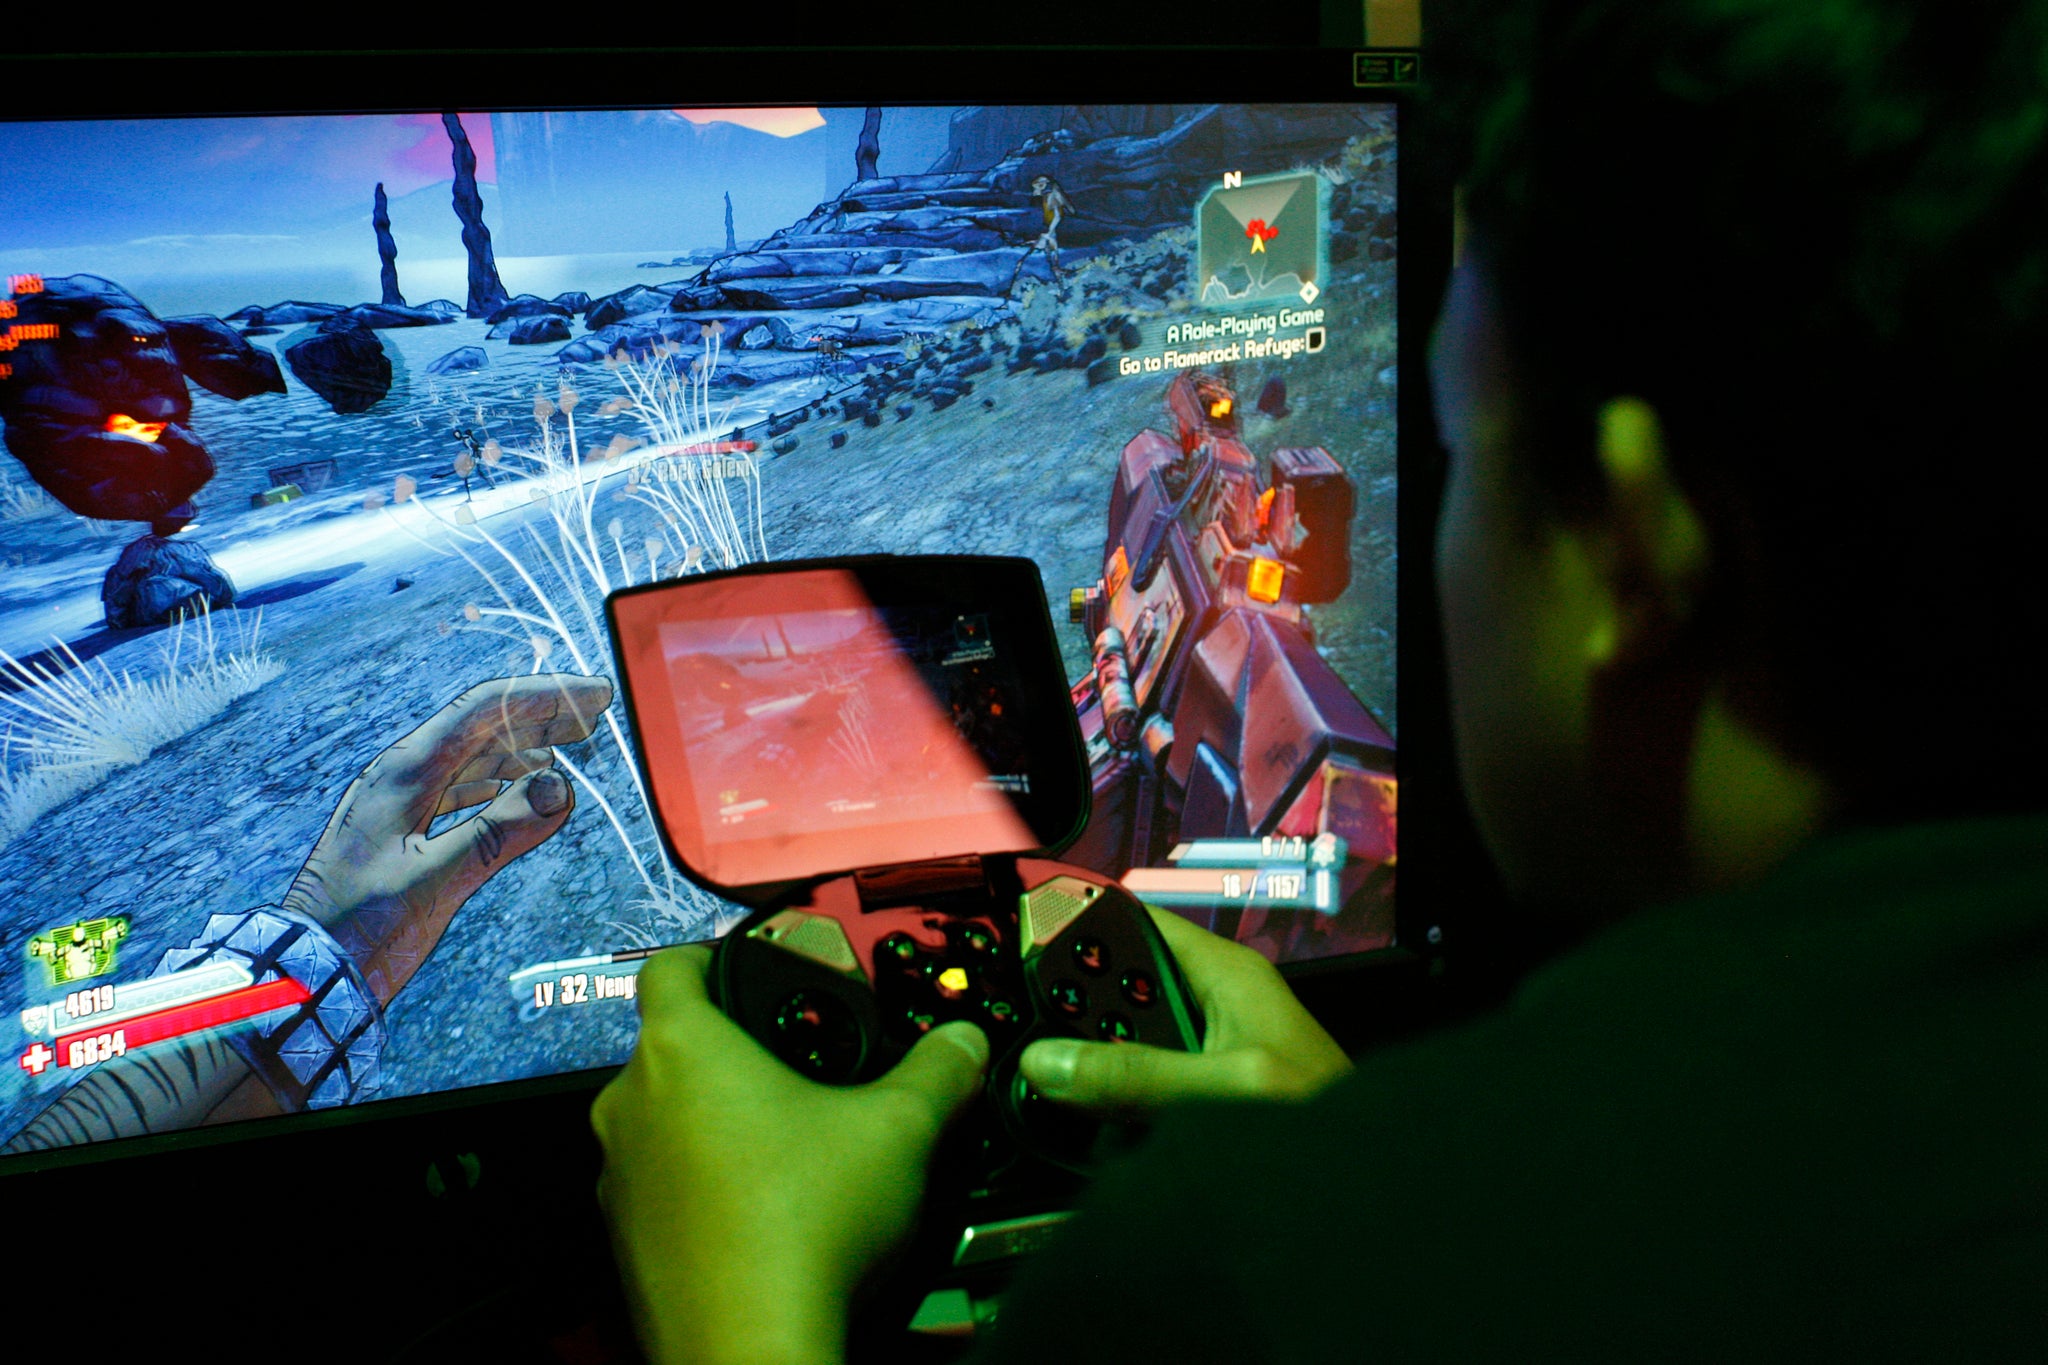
[(731, 243), (870, 149), (156, 579), (486, 293), (344, 363), (387, 249)]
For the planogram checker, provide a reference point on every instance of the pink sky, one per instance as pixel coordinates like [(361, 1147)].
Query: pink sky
[(780, 122)]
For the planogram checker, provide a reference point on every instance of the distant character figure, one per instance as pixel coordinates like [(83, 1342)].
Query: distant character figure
[(1053, 205), (829, 349)]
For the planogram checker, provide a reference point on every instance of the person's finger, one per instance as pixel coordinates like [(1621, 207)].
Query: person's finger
[(460, 859), (673, 979), (1221, 972), (942, 1072), (1131, 1078)]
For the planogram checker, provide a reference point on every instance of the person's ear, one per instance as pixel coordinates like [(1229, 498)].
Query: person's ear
[(1653, 554)]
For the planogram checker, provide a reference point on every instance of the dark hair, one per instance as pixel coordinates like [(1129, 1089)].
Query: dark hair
[(1814, 234)]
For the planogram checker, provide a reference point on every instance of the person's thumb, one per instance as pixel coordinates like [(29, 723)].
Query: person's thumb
[(1129, 1079), (944, 1070)]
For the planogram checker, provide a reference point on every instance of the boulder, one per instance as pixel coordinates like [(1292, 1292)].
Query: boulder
[(534, 330), (216, 358), (574, 301), (379, 316), (344, 363), (693, 298), (527, 306), (807, 260), (157, 579), (290, 312), (461, 360), (777, 294), (444, 308), (628, 302)]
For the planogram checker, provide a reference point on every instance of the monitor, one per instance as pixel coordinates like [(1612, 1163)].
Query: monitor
[(328, 433)]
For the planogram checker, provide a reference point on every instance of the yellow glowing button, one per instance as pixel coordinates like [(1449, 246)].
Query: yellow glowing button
[(1263, 582), (953, 982)]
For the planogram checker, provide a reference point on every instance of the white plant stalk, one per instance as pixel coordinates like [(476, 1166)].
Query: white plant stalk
[(553, 574), (71, 723)]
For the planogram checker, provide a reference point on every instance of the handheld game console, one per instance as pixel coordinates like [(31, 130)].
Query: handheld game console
[(877, 756)]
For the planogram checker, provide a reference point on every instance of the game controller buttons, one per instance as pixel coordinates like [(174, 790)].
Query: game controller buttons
[(1091, 956), (1139, 989), (900, 949), (1068, 998), (817, 1035), (980, 942), (816, 937), (952, 983), (1002, 1011), (1114, 1028), (919, 1021), (1048, 909)]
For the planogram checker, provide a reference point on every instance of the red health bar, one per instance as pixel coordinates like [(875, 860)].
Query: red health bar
[(243, 1003)]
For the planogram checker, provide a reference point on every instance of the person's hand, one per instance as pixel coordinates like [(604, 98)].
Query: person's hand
[(387, 891), (748, 1203), (1260, 1043)]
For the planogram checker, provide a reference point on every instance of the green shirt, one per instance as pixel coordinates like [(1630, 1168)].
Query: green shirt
[(1807, 1121)]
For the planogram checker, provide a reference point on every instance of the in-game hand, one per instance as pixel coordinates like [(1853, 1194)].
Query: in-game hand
[(378, 883)]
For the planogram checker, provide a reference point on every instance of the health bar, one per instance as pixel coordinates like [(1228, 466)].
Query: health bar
[(228, 1008), (1324, 851), (1270, 887)]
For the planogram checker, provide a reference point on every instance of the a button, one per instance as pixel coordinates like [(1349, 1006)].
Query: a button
[(978, 941), (1068, 998), (952, 983), (919, 1022), (817, 1035), (1002, 1011), (898, 948), (1091, 956), (1114, 1028), (1139, 989)]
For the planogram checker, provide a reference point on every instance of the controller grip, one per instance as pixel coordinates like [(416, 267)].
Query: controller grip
[(1096, 968)]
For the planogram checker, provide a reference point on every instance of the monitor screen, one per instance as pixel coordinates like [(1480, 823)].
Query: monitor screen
[(327, 437)]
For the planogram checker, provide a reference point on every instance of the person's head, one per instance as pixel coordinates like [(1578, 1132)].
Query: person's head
[(1738, 377)]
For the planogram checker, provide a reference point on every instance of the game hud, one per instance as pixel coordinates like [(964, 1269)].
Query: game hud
[(324, 451)]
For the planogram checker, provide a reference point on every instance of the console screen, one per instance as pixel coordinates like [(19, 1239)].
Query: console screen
[(327, 437), (790, 743)]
